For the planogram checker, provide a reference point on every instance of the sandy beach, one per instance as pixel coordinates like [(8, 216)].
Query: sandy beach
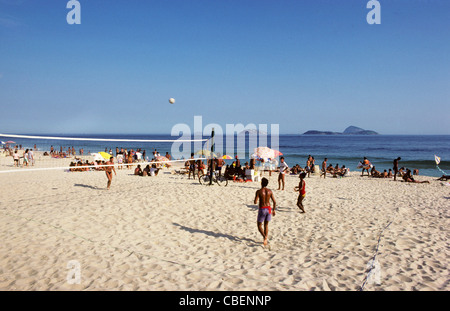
[(169, 233)]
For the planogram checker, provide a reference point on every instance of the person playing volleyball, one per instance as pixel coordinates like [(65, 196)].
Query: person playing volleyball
[(109, 170)]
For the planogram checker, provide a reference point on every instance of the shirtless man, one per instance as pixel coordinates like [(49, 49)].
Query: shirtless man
[(265, 211), (324, 167), (108, 170), (219, 164)]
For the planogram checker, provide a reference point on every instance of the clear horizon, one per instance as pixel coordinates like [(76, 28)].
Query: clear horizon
[(305, 65)]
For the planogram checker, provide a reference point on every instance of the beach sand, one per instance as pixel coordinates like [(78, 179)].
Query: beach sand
[(170, 233)]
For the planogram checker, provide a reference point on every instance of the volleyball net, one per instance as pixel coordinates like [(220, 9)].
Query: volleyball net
[(22, 153)]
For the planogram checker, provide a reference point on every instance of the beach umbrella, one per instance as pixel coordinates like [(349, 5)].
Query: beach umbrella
[(10, 142), (163, 159), (226, 157), (105, 155), (97, 157), (3, 143), (205, 152), (266, 153)]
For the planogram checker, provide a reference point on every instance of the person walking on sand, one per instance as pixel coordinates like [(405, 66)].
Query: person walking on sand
[(283, 169), (264, 195), (302, 192), (366, 166), (109, 170), (395, 168)]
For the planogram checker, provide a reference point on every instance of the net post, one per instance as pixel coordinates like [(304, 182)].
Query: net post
[(212, 158)]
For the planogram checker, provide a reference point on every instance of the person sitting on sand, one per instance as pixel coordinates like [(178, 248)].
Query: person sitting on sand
[(330, 169), (408, 178), (416, 172), (336, 168), (146, 171), (153, 170), (374, 172), (138, 170), (390, 173), (343, 171), (264, 195), (384, 174)]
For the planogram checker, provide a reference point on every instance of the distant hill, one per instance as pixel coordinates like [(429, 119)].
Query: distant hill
[(351, 130)]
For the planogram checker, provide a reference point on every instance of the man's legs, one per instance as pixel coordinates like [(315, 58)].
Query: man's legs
[(264, 232)]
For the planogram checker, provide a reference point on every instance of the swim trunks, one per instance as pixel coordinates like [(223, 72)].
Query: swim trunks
[(264, 214)]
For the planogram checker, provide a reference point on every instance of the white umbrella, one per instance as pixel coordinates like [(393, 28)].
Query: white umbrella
[(97, 157)]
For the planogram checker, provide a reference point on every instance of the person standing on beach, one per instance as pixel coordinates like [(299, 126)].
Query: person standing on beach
[(366, 166), (109, 170), (283, 169), (301, 188), (191, 167), (264, 195), (324, 167), (395, 168)]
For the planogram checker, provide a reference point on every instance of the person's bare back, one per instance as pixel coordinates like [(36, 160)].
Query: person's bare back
[(264, 195)]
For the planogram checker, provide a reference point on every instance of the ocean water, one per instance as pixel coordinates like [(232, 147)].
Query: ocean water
[(416, 151)]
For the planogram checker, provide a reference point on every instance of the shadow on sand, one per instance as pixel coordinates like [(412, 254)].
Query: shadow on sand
[(87, 186), (249, 242)]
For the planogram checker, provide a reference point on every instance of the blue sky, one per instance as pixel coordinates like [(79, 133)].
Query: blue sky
[(305, 65)]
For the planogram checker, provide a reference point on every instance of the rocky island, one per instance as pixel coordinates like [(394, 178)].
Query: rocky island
[(351, 130)]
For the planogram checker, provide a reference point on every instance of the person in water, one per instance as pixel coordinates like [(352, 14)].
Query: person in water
[(264, 195)]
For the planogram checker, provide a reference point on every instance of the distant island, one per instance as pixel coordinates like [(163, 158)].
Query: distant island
[(351, 130)]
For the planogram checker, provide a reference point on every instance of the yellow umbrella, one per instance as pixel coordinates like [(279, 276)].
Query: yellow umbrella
[(227, 157), (105, 155)]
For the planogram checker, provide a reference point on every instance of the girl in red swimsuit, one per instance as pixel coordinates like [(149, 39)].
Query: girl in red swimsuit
[(302, 194)]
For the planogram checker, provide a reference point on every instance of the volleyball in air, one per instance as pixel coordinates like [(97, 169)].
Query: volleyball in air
[(172, 100)]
